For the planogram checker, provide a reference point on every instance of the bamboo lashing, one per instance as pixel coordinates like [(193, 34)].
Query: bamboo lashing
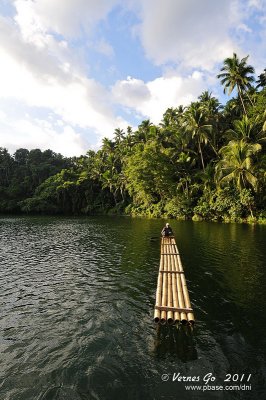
[(172, 303)]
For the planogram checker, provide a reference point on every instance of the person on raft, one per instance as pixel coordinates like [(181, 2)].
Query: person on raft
[(167, 230)]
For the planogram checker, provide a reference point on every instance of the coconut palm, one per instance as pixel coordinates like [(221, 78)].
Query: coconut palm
[(211, 107), (128, 142), (142, 134), (233, 109), (119, 135), (210, 103), (261, 81), (247, 130), (195, 123), (236, 74), (206, 178), (169, 117), (236, 164)]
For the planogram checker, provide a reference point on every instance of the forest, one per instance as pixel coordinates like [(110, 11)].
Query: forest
[(205, 161)]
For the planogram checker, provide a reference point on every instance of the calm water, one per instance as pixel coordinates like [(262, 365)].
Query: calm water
[(77, 299)]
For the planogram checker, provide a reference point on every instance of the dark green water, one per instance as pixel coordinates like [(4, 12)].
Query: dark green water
[(77, 298)]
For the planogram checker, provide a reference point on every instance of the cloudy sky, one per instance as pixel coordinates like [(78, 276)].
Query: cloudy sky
[(71, 71)]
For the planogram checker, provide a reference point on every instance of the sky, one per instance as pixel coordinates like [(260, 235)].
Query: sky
[(72, 71)]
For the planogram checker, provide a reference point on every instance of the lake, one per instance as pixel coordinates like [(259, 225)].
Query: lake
[(77, 299)]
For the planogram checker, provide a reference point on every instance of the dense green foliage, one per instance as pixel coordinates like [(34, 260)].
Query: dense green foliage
[(204, 161)]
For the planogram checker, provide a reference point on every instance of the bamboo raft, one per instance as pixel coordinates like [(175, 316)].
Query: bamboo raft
[(172, 298)]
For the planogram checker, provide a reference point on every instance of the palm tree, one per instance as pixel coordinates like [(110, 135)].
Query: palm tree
[(185, 163), (169, 117), (128, 142), (262, 80), (247, 130), (236, 164), (236, 74), (211, 107), (210, 103), (207, 178), (119, 135), (142, 134), (196, 124), (107, 145), (233, 109)]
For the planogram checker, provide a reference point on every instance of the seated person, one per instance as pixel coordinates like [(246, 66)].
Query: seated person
[(167, 230)]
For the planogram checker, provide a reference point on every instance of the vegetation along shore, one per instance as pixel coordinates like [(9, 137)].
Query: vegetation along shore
[(204, 161)]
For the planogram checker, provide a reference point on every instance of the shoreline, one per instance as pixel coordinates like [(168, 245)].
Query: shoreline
[(195, 218)]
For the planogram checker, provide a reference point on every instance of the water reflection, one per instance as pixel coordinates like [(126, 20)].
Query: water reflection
[(176, 341), (77, 299)]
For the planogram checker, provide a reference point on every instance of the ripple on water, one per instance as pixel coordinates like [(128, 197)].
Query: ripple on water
[(77, 300)]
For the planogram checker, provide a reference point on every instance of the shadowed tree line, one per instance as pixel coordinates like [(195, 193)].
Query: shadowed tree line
[(203, 161)]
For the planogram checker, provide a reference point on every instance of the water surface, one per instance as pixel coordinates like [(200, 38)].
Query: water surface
[(77, 298)]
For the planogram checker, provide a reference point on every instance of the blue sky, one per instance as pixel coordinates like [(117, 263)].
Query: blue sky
[(71, 71)]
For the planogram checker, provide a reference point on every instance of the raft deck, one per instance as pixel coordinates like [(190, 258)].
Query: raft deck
[(172, 298)]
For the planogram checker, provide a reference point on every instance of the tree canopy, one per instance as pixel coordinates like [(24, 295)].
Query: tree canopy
[(203, 161)]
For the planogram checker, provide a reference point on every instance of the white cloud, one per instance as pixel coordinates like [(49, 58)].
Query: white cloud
[(191, 32), (151, 99), (2, 115), (35, 133), (44, 76), (252, 38), (44, 63), (78, 100), (258, 4), (131, 92), (67, 17)]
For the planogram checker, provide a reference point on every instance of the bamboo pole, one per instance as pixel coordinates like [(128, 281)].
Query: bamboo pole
[(165, 277), (174, 250), (164, 299), (190, 315), (175, 297), (174, 246), (162, 314), (170, 314), (181, 302), (162, 246), (158, 302), (172, 289)]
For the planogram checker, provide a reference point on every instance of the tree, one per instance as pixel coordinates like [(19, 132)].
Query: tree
[(169, 117), (6, 165), (209, 103), (232, 110), (207, 178), (237, 164), (119, 135), (149, 175), (246, 130), (21, 156), (236, 74), (142, 134), (261, 81), (195, 123)]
